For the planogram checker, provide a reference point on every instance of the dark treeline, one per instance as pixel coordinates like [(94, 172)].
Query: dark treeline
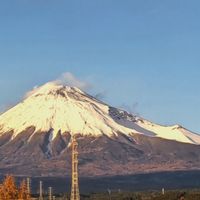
[(9, 190), (170, 195)]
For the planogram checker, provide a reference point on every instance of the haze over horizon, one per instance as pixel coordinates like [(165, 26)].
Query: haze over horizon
[(139, 55)]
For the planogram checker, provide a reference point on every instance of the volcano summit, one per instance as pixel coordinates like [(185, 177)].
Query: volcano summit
[(35, 137)]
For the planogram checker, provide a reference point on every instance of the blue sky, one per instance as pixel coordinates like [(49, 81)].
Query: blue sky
[(143, 55)]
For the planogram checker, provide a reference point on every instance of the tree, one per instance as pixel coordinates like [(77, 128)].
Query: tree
[(8, 190), (23, 191)]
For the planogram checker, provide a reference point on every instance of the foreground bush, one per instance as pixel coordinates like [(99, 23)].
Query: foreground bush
[(9, 190)]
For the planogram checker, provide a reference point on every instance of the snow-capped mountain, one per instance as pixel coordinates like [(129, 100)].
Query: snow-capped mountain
[(68, 109), (35, 137)]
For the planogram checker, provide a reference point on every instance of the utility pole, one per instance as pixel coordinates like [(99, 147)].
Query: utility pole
[(28, 182), (50, 193), (109, 193), (75, 186), (163, 191), (41, 192)]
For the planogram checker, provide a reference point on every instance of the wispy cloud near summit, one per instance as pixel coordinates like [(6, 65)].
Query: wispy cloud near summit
[(69, 79)]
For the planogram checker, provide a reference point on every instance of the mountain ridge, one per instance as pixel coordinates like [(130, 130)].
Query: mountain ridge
[(62, 108), (35, 138)]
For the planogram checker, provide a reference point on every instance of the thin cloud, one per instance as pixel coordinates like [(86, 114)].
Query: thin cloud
[(133, 109), (100, 95), (29, 93), (69, 79)]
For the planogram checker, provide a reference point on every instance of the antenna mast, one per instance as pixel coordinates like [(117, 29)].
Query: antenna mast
[(75, 187)]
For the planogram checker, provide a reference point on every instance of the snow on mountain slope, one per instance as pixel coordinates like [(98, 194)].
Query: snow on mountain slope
[(170, 132), (67, 109), (61, 108), (148, 128), (192, 136)]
